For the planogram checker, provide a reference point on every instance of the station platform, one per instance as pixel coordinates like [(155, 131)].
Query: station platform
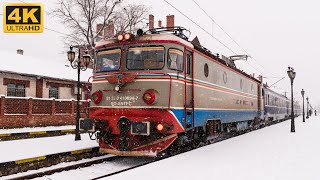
[(36, 129), (35, 147)]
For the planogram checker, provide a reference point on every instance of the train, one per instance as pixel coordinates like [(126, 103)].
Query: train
[(156, 90)]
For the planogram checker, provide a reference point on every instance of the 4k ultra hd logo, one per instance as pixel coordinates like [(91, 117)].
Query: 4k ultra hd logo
[(23, 18)]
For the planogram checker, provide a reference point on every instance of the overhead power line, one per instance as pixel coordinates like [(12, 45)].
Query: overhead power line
[(220, 27), (201, 27), (207, 32), (227, 33)]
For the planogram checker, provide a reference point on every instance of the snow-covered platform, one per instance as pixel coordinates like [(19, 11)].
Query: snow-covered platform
[(271, 153), (36, 129), (29, 148)]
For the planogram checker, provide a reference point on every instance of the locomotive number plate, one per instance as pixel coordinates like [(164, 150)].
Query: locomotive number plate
[(140, 128)]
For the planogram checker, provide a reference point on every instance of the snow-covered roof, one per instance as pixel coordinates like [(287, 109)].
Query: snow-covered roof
[(46, 67)]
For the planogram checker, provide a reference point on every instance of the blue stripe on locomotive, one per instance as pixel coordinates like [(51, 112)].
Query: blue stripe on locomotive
[(226, 116)]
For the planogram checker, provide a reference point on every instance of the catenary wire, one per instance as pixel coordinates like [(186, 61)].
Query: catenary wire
[(215, 22), (208, 33), (200, 27)]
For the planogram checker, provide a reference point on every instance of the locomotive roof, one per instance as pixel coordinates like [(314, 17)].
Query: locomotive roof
[(149, 37), (274, 92), (176, 34)]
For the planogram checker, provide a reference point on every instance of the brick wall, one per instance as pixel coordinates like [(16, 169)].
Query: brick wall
[(29, 112), (170, 21), (151, 21)]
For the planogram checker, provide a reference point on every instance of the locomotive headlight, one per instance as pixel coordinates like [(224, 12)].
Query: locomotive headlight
[(120, 37), (150, 96), (128, 36), (117, 88), (160, 127), (96, 97)]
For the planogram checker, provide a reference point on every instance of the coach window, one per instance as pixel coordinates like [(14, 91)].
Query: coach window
[(175, 59), (108, 60), (145, 58)]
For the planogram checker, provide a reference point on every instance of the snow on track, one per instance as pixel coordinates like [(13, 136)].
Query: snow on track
[(98, 169), (271, 153), (28, 148)]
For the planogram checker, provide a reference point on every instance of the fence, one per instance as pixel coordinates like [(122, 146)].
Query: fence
[(28, 112)]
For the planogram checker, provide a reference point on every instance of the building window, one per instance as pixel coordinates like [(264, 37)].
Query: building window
[(17, 90), (53, 92)]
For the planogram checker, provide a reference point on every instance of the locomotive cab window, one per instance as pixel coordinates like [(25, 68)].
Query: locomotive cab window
[(175, 59), (108, 60), (143, 58)]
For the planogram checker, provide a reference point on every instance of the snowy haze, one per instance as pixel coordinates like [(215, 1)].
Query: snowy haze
[(275, 33)]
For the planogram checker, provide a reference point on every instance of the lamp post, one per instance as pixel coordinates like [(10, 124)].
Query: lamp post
[(307, 108), (76, 64), (292, 75), (303, 118)]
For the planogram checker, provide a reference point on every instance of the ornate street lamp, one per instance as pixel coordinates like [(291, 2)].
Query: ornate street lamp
[(307, 108), (76, 64), (292, 75), (303, 118)]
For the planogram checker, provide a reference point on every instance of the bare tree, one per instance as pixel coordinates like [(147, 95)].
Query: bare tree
[(82, 16), (130, 18)]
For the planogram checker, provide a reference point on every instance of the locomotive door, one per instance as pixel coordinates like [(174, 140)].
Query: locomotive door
[(188, 91)]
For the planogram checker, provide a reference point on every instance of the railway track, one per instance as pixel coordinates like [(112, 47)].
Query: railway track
[(23, 165), (71, 166), (117, 161)]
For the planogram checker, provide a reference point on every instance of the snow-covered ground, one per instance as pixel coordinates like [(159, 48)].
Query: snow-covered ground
[(98, 170), (28, 148), (272, 153), (36, 129)]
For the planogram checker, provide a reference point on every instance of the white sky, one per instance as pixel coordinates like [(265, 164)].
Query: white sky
[(276, 33)]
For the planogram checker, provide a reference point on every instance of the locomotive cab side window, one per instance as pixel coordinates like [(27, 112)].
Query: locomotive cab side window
[(108, 60), (175, 59), (206, 70), (144, 58)]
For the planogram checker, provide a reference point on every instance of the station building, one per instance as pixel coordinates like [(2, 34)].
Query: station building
[(38, 92)]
